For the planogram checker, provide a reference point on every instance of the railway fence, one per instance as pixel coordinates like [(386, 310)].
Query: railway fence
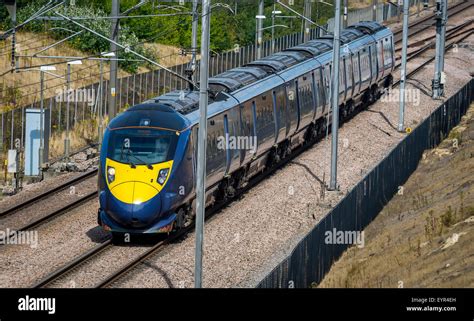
[(312, 258)]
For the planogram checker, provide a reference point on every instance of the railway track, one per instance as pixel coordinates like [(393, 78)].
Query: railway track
[(456, 34), (455, 37), (48, 194), (55, 213), (449, 32), (420, 25), (73, 265)]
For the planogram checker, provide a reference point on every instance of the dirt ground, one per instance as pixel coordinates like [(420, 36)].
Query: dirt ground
[(424, 237)]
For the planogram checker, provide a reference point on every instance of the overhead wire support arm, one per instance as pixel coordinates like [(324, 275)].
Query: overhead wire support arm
[(128, 50), (119, 16), (300, 15), (43, 10), (59, 42)]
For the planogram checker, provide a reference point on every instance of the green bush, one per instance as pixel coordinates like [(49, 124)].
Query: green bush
[(86, 41), (228, 30)]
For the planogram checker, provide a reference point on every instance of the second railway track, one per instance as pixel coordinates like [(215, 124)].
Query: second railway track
[(47, 194)]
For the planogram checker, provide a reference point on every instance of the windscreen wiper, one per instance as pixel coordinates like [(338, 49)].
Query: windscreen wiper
[(132, 165), (130, 153)]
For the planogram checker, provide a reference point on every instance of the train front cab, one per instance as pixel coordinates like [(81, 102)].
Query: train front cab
[(139, 179)]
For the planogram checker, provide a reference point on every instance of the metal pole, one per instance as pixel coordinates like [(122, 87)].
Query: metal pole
[(67, 140), (1, 132), (114, 63), (12, 129), (401, 117), (41, 148), (399, 9), (259, 31), (441, 19), (307, 11), (202, 142), (374, 10), (344, 22), (194, 39), (335, 93), (11, 7), (273, 27), (101, 96)]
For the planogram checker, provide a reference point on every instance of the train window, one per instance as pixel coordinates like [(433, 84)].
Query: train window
[(215, 150), (141, 147), (387, 54), (348, 73)]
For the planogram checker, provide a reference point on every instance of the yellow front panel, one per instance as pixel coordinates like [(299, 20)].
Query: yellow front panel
[(124, 192), (143, 192), (135, 185)]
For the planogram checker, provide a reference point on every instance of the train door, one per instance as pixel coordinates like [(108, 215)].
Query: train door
[(365, 74), (279, 101), (349, 80), (246, 130), (232, 137), (373, 73), (356, 72), (305, 100), (380, 60), (315, 91), (292, 107), (342, 80), (215, 151), (264, 122), (254, 136), (387, 55), (373, 61), (327, 86)]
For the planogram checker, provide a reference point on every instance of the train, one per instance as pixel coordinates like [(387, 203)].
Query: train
[(258, 114)]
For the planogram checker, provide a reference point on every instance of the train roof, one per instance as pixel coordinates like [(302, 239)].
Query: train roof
[(236, 78), (368, 27), (145, 114), (182, 101)]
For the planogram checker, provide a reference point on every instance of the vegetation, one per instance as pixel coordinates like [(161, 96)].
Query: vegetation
[(228, 30)]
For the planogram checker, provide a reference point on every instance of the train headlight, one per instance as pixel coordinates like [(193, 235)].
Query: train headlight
[(163, 174), (110, 174)]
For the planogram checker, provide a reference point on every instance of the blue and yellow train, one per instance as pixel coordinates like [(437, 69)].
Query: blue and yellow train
[(257, 115)]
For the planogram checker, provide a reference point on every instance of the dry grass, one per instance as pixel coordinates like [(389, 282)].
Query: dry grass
[(168, 55), (83, 134), (85, 74), (425, 237)]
